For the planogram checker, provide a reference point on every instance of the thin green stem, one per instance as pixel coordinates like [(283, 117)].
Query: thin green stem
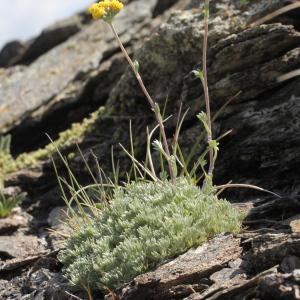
[(148, 97), (205, 87)]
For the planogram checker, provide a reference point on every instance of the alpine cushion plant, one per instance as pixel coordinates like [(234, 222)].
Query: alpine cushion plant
[(145, 224)]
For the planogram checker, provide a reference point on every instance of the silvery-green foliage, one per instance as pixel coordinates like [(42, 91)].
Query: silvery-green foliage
[(145, 224)]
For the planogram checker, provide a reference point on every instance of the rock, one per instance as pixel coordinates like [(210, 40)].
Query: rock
[(295, 225), (14, 221), (11, 191), (51, 37), (289, 264), (280, 286), (27, 177), (61, 74), (269, 213), (17, 52), (19, 246), (226, 274), (57, 216), (56, 220), (36, 260), (9, 290), (252, 113), (225, 279), (233, 289), (163, 6), (10, 52), (41, 281), (193, 267), (269, 250), (49, 285)]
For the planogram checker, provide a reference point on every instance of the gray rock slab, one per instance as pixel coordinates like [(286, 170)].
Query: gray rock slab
[(195, 265), (19, 246), (24, 90)]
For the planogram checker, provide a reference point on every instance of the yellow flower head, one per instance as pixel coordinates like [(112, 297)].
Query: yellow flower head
[(116, 5), (106, 9), (96, 11)]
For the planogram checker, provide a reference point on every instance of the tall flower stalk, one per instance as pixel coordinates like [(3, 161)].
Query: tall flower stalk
[(206, 90), (107, 10), (205, 118)]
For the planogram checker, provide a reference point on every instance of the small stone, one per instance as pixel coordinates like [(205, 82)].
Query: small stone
[(295, 226), (13, 222), (57, 216), (296, 274), (226, 274), (19, 246), (236, 263), (290, 263), (56, 220)]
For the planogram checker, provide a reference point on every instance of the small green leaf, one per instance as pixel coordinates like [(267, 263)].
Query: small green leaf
[(173, 165), (136, 66), (214, 145), (158, 145), (199, 74), (206, 11), (202, 116), (5, 142), (157, 109)]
